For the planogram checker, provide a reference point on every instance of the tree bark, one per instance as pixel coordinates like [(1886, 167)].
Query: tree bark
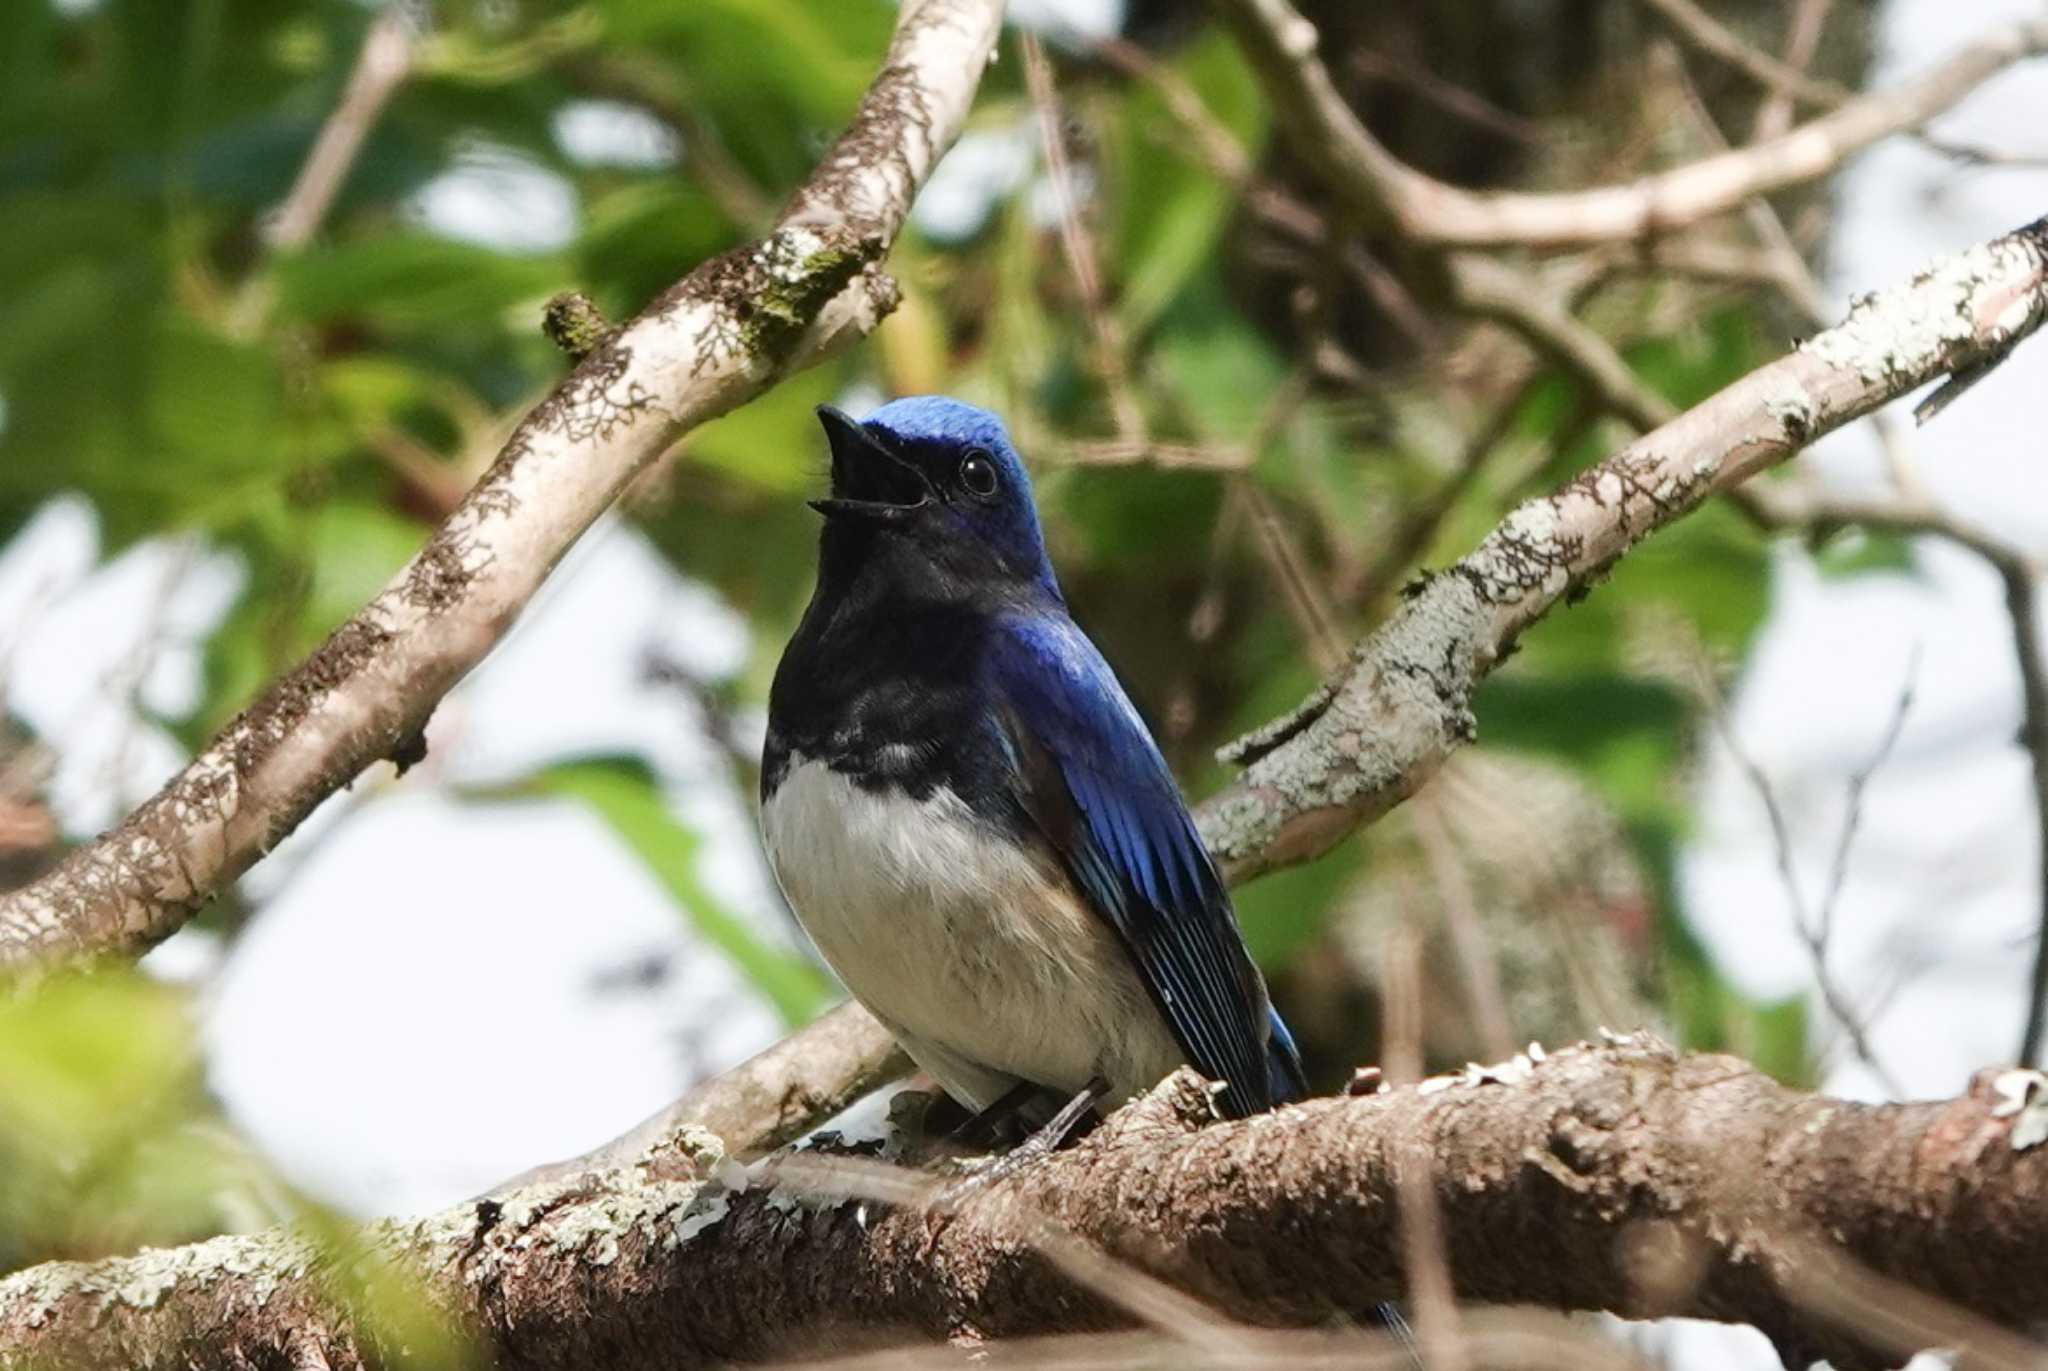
[(1620, 1177)]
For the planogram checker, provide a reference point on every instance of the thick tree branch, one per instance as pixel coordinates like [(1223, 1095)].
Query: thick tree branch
[(1623, 1178), (764, 1102), (723, 334), (1383, 190), (1375, 733)]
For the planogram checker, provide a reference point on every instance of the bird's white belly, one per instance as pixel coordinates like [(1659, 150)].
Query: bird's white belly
[(979, 955)]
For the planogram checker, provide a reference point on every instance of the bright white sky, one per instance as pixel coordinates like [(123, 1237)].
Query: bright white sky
[(404, 1040)]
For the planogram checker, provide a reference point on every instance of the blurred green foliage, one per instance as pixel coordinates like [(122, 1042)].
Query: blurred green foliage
[(313, 411)]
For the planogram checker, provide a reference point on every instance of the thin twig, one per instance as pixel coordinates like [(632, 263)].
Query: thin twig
[(380, 68), (1453, 99), (1421, 1225), (1809, 930), (1468, 934), (2023, 608), (1852, 814), (1110, 359), (1710, 36), (1802, 41)]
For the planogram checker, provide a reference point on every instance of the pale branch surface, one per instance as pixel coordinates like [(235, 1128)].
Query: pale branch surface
[(1620, 1177), (1403, 703), (723, 334), (767, 1100), (1383, 190)]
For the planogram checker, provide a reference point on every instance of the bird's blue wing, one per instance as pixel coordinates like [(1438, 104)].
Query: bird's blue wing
[(1092, 780)]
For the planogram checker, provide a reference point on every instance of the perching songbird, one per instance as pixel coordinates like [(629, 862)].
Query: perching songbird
[(967, 813)]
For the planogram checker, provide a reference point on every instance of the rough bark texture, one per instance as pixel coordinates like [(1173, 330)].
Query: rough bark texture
[(723, 334), (1620, 1177), (1402, 704)]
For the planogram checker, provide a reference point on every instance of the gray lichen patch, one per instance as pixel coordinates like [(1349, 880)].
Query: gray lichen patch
[(250, 1267), (1915, 331), (1789, 406), (1403, 705)]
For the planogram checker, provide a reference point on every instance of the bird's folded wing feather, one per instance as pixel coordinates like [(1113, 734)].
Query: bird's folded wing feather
[(1092, 780)]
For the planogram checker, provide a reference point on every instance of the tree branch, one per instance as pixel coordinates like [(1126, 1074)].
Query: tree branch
[(722, 335), (380, 67), (1371, 736), (1384, 190), (1712, 37), (1622, 1178)]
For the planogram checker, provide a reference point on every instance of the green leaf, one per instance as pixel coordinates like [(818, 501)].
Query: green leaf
[(625, 797), (773, 441), (412, 280), (1172, 207), (355, 548), (1860, 551), (218, 403)]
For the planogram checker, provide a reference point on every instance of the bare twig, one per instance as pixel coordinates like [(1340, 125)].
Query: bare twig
[(1710, 36), (1461, 918), (380, 68), (2023, 608), (1488, 288), (1852, 811), (1453, 99), (1976, 155), (1421, 1223), (1080, 246), (1382, 189), (1802, 41), (1814, 933)]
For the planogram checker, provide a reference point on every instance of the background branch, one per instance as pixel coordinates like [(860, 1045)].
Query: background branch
[(1425, 211)]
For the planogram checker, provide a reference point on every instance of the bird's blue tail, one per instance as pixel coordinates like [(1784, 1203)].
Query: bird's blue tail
[(1283, 1062)]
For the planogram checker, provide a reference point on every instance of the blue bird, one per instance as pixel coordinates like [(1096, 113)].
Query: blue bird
[(966, 812)]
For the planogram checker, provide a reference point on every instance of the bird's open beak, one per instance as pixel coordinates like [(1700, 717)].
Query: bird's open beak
[(869, 481)]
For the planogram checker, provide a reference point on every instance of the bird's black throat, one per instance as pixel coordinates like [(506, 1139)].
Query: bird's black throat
[(881, 681)]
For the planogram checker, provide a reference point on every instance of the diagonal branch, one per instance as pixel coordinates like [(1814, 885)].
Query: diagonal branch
[(1382, 189), (380, 67), (1737, 1201), (1711, 36), (1369, 737), (722, 335)]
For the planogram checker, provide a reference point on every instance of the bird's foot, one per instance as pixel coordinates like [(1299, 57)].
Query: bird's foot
[(979, 1173)]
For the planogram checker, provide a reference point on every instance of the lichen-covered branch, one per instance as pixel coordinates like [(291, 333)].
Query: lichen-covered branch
[(720, 336), (1382, 189), (1402, 704), (767, 1100), (1621, 1177)]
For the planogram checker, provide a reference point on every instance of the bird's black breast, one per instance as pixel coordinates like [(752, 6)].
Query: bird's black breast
[(888, 694)]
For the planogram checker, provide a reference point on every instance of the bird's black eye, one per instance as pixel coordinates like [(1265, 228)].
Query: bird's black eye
[(978, 474)]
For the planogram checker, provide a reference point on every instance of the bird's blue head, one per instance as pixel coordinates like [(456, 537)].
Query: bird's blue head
[(937, 481)]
